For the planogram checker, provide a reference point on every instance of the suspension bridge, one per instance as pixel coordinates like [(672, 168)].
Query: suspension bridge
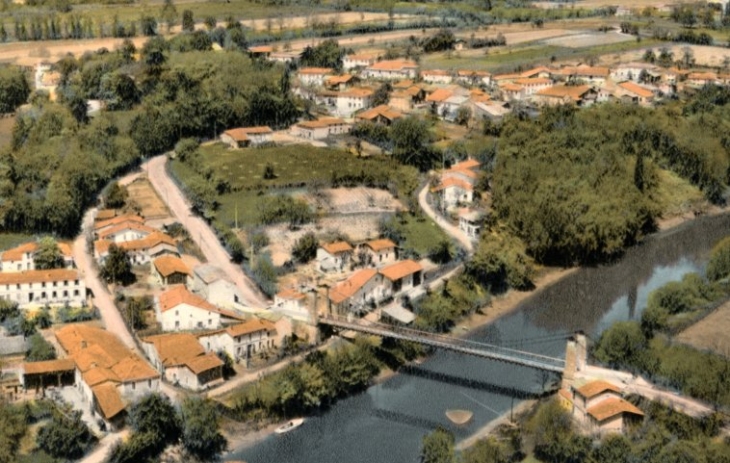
[(464, 346)]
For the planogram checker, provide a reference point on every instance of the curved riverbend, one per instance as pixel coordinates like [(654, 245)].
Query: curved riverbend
[(389, 420)]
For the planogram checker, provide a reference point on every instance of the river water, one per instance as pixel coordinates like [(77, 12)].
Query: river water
[(388, 421)]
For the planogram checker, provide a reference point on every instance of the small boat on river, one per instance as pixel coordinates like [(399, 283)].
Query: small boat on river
[(289, 426), (459, 417)]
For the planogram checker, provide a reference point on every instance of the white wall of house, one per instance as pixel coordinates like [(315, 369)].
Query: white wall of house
[(136, 389), (381, 257), (437, 78), (316, 133), (386, 74), (29, 294), (350, 63), (220, 292), (296, 308), (407, 282), (27, 263), (373, 291), (347, 105), (332, 262), (185, 317), (313, 79), (469, 228), (453, 195), (240, 347), (126, 235)]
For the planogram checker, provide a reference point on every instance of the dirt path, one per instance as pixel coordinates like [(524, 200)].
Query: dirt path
[(450, 230), (105, 444), (200, 232)]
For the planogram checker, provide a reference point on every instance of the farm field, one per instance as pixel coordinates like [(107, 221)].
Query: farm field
[(144, 195), (710, 333)]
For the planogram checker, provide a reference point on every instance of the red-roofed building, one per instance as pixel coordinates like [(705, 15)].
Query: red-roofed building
[(40, 287), (170, 270), (358, 293), (334, 257), (457, 183), (361, 60), (402, 276), (380, 252), (293, 303), (437, 76), (242, 340), (178, 309), (314, 76), (636, 93), (154, 245), (183, 361), (392, 70), (247, 136), (599, 408), (22, 257)]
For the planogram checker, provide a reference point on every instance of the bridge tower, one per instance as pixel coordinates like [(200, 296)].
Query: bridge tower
[(576, 357)]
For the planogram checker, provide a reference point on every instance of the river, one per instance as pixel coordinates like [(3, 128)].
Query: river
[(388, 421)]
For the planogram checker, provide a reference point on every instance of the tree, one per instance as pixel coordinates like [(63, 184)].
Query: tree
[(155, 415), (410, 137), (66, 436), (135, 312), (615, 448), (623, 344), (148, 24), (117, 268), (442, 253), (488, 450), (326, 54), (305, 248), (463, 116), (438, 447), (186, 149), (169, 13), (719, 265), (48, 256), (382, 94), (639, 180), (39, 349), (188, 23), (127, 49), (200, 429), (116, 197), (210, 22), (13, 426), (14, 88)]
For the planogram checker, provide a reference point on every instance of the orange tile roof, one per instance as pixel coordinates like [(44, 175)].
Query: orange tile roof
[(466, 164), (362, 57), (179, 294), (511, 87), (168, 265), (343, 79), (133, 368), (435, 72), (499, 77), (533, 81), (290, 293), (403, 84), (379, 245), (126, 226), (702, 76), (394, 65), (586, 71), (18, 252), (98, 376), (109, 399), (117, 220), (346, 289), (320, 123), (148, 242), (174, 349), (461, 171), (38, 276), (439, 95), (413, 90), (636, 89), (337, 247), (566, 394), (535, 71), (453, 182), (242, 133), (595, 388), (261, 49), (105, 214), (323, 71), (48, 366), (250, 326), (357, 93), (204, 363), (470, 73), (611, 407), (400, 269), (382, 110), (574, 92)]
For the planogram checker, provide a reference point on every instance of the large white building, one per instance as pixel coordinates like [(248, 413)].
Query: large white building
[(22, 257), (178, 309), (40, 287), (392, 70)]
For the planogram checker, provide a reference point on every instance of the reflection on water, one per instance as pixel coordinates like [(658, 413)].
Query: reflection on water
[(388, 421)]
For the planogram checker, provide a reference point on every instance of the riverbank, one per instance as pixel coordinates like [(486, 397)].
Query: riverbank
[(490, 427)]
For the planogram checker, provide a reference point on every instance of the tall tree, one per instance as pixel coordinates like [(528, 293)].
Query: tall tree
[(438, 447), (14, 88), (39, 349), (117, 268), (48, 255), (66, 436), (200, 429), (188, 22), (410, 138)]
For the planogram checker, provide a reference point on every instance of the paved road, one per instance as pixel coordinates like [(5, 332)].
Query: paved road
[(200, 232), (450, 230)]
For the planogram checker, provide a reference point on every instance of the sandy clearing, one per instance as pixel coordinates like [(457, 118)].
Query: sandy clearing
[(589, 39), (603, 3), (32, 53), (704, 55), (711, 332)]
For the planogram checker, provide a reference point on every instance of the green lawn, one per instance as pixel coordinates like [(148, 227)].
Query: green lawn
[(420, 235), (10, 240)]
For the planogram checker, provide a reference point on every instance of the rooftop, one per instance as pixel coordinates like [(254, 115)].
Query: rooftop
[(38, 276), (250, 326), (400, 269), (242, 133), (128, 225), (379, 245), (636, 89), (49, 366), (168, 265), (291, 294), (611, 407), (346, 289), (394, 65), (316, 71), (117, 220), (18, 252), (338, 247), (209, 273), (595, 388), (574, 92)]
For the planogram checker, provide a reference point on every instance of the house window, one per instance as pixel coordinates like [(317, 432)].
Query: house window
[(65, 294), (177, 312), (149, 383), (43, 295), (54, 295), (76, 292), (210, 322), (177, 324), (65, 283), (43, 285), (134, 386)]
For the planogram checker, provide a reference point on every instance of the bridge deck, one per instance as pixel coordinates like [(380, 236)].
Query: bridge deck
[(464, 346)]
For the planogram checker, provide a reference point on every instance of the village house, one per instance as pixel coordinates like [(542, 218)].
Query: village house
[(107, 374), (533, 85), (183, 361), (170, 270), (700, 79), (474, 78), (401, 276), (579, 95), (241, 341), (284, 57), (540, 72), (214, 285), (594, 75), (261, 51), (321, 128), (379, 252), (457, 183), (292, 303), (449, 109), (247, 136), (635, 93), (392, 70), (33, 288), (599, 408), (341, 83), (352, 100), (22, 257), (501, 79), (511, 91), (382, 114), (140, 252), (101, 224), (125, 231), (177, 309), (635, 71), (334, 257), (314, 76), (360, 60), (359, 293), (437, 76), (493, 111), (470, 222)]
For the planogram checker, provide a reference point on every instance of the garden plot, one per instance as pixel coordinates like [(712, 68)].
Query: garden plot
[(590, 39)]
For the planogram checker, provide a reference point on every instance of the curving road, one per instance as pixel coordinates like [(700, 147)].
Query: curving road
[(450, 230), (200, 232)]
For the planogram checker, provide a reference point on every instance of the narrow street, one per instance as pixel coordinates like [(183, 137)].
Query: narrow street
[(200, 232), (450, 230)]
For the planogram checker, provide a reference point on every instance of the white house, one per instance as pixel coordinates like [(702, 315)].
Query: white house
[(292, 303), (599, 408), (126, 231), (40, 287), (352, 100), (241, 341), (470, 222), (321, 128), (402, 276), (632, 71), (358, 293), (392, 69), (183, 361), (106, 219), (140, 252), (22, 257), (380, 252), (314, 76), (437, 76), (474, 78), (215, 286), (247, 136), (361, 60), (533, 85), (456, 185), (177, 309), (334, 256)]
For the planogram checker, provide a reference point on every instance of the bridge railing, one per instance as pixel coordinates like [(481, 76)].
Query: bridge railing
[(465, 344)]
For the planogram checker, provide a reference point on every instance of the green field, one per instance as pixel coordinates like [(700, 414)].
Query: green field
[(10, 240), (420, 234)]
